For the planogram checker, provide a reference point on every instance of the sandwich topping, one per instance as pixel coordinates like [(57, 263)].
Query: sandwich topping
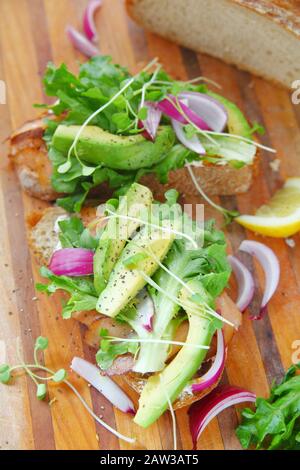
[(157, 273), (109, 126)]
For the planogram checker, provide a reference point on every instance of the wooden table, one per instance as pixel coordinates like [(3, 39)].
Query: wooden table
[(31, 34)]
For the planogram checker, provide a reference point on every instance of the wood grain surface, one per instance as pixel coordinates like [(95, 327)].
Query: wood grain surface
[(32, 32)]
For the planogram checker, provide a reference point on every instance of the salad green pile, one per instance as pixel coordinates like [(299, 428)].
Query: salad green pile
[(108, 97), (275, 424), (161, 253)]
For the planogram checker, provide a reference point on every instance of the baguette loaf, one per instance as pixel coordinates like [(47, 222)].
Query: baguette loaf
[(260, 36)]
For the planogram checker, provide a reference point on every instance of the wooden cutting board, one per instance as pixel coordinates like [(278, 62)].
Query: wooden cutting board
[(31, 34)]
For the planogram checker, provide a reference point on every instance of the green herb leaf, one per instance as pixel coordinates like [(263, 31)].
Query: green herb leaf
[(257, 127), (74, 234), (190, 131), (143, 113), (275, 424), (109, 351), (81, 289), (171, 196), (5, 373), (41, 391), (59, 376), (41, 343)]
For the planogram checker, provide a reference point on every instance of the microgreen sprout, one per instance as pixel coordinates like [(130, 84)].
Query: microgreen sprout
[(207, 309), (59, 376), (172, 412), (148, 224), (73, 148), (114, 339), (228, 215), (179, 108), (208, 134)]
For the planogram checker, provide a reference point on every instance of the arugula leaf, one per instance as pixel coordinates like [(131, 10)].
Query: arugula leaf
[(82, 291), (109, 351), (74, 234), (275, 424)]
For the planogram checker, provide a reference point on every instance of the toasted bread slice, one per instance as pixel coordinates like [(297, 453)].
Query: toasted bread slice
[(214, 180), (29, 155)]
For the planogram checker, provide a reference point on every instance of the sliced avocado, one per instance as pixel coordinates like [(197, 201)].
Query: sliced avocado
[(137, 199), (237, 122), (124, 283), (114, 151), (168, 384)]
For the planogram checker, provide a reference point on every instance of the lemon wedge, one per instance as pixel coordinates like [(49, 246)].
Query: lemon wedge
[(280, 217)]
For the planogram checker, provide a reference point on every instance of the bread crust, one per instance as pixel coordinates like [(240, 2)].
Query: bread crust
[(29, 156), (214, 180), (286, 13)]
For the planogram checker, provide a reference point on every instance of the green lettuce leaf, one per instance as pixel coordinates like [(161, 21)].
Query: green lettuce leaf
[(82, 292), (275, 424)]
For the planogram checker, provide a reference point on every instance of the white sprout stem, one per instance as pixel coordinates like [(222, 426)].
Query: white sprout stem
[(183, 305), (130, 440), (200, 190), (147, 84), (99, 110), (177, 278), (174, 427), (204, 79), (83, 402), (149, 224), (244, 139), (193, 80), (131, 109), (114, 339), (95, 113), (23, 365), (207, 134)]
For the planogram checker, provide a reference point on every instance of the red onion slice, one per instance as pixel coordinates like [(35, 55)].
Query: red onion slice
[(205, 112), (72, 262), (193, 143), (214, 373), (81, 43), (202, 412), (88, 19), (270, 264), (145, 310), (103, 384), (207, 108), (151, 123), (245, 283), (170, 110)]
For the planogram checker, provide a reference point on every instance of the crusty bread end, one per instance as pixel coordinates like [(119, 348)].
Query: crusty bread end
[(260, 36)]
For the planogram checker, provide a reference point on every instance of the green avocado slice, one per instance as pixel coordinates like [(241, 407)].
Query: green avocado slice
[(237, 122), (117, 231), (124, 283), (118, 152), (168, 384)]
